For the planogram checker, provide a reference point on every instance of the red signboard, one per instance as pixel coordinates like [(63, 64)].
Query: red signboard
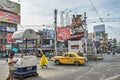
[(9, 38), (76, 37), (63, 33), (74, 46), (9, 17)]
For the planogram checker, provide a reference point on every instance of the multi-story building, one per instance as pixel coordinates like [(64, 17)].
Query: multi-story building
[(46, 41), (9, 19)]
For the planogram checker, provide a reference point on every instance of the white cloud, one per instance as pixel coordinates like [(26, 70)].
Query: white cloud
[(42, 11)]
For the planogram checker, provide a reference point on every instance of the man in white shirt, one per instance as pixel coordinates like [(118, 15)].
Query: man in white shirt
[(11, 63)]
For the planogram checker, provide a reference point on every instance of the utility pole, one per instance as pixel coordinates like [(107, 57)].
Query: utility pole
[(85, 32), (55, 24), (62, 19)]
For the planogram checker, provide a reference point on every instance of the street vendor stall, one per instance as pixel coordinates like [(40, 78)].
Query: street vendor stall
[(26, 65)]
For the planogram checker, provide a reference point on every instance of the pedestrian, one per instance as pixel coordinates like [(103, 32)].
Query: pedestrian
[(43, 61), (11, 63)]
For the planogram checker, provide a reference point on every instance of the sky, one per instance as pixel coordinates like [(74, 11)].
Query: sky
[(39, 12)]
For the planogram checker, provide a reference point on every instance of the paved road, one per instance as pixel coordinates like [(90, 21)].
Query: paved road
[(93, 70)]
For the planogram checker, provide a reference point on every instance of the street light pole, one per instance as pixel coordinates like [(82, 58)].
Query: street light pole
[(55, 23), (85, 32)]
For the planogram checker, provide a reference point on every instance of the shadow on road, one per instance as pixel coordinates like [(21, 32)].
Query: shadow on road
[(32, 78)]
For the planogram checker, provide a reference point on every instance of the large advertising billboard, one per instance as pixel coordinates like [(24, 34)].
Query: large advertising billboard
[(10, 6), (9, 17), (99, 28), (63, 33)]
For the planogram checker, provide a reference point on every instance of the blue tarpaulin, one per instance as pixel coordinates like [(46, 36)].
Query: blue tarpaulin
[(14, 49)]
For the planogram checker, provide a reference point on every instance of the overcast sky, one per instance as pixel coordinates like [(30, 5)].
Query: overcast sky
[(39, 12)]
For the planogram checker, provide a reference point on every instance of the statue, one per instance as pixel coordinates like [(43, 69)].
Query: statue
[(77, 24)]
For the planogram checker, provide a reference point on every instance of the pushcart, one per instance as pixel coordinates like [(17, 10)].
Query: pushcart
[(27, 64)]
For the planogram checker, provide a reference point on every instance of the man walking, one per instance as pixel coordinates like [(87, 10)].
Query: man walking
[(11, 63)]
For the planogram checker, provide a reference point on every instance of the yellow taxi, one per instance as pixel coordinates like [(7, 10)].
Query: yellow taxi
[(69, 58)]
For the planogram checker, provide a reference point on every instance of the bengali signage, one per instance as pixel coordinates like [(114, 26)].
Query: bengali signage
[(9, 17), (10, 6), (63, 33)]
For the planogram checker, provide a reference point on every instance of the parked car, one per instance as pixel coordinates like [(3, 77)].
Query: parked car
[(69, 58)]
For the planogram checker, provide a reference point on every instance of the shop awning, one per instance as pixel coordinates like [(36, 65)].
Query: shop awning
[(24, 34)]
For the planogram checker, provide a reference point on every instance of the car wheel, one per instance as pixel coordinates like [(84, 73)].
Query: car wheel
[(77, 63), (57, 62)]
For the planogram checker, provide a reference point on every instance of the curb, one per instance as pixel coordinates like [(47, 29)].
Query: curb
[(114, 78)]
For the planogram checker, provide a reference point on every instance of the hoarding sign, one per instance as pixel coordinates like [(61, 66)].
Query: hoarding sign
[(2, 28), (50, 34), (9, 17), (11, 29), (9, 38), (63, 33), (10, 6), (99, 28)]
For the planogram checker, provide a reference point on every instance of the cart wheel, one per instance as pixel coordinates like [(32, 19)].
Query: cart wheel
[(36, 74), (21, 78)]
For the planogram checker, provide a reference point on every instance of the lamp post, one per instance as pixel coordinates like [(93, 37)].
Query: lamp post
[(65, 18), (55, 24), (85, 32)]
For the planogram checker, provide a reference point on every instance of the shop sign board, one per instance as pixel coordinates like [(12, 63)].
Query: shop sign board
[(10, 6), (9, 17)]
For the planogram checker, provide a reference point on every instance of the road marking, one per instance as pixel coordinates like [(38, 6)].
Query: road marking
[(102, 77), (109, 69), (113, 78)]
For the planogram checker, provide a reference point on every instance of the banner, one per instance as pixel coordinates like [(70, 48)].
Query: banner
[(10, 6), (9, 38), (9, 17), (63, 33), (2, 28), (99, 28)]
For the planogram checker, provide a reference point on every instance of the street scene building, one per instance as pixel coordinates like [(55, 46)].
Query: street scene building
[(42, 40), (9, 20)]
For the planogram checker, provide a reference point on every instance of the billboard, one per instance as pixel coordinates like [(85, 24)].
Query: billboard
[(11, 29), (99, 28), (10, 6), (50, 34), (9, 17), (63, 33), (2, 28)]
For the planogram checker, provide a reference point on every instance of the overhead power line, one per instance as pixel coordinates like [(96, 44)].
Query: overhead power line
[(96, 11)]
